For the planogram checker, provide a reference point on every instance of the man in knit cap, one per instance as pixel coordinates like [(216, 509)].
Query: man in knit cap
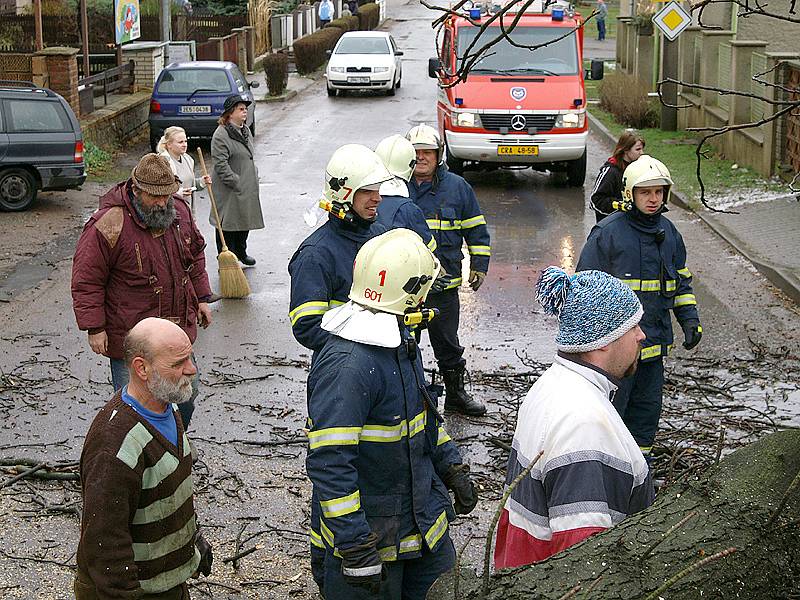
[(591, 473), (140, 255)]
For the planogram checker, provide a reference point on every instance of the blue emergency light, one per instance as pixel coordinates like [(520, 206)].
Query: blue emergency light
[(557, 13), (459, 101), (475, 14)]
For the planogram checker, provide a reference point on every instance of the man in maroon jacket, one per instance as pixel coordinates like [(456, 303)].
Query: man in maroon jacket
[(141, 255)]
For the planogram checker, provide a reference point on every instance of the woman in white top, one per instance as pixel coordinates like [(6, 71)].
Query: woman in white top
[(173, 146)]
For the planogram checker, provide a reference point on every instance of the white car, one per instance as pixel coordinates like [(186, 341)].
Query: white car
[(364, 60)]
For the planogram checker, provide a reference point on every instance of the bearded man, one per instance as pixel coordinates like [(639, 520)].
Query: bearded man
[(139, 536), (140, 255)]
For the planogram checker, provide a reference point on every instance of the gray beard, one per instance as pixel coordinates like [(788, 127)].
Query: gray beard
[(167, 392), (156, 217)]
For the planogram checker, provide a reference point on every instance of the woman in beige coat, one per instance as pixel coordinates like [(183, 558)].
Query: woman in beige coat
[(173, 146), (236, 176)]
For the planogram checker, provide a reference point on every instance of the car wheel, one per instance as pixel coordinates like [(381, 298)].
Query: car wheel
[(253, 127), (576, 171), (17, 190), (331, 91), (154, 139), (392, 90), (397, 85)]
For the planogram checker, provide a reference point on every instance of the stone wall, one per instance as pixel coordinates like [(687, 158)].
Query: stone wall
[(122, 119), (782, 36)]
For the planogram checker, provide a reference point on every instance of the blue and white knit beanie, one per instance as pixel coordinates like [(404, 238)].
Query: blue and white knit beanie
[(593, 308)]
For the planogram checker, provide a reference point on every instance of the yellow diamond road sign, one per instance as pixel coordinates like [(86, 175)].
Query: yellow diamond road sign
[(672, 19)]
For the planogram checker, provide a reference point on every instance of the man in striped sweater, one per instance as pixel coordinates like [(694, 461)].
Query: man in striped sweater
[(139, 535), (591, 473)]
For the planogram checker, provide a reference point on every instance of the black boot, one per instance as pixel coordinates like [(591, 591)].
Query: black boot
[(457, 399)]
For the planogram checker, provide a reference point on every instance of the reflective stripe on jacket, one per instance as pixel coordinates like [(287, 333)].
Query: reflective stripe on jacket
[(398, 211), (454, 216), (376, 454), (655, 271), (322, 273)]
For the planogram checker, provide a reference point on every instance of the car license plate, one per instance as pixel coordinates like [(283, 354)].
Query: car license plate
[(518, 150), (193, 110), (358, 80)]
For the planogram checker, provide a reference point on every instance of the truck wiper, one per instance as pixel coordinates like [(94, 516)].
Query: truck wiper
[(472, 71), (527, 71), (199, 90)]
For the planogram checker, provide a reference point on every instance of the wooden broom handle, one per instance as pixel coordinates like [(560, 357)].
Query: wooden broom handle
[(211, 195)]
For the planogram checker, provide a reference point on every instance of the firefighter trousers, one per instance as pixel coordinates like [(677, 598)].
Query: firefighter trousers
[(443, 330), (408, 579), (638, 401)]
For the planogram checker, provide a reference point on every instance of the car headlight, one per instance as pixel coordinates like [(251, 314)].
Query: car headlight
[(467, 119), (380, 69), (337, 69), (572, 120)]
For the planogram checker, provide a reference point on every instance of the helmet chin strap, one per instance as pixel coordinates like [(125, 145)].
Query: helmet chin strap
[(345, 212)]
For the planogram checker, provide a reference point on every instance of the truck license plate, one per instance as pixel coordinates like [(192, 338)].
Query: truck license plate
[(518, 150), (358, 80), (192, 110)]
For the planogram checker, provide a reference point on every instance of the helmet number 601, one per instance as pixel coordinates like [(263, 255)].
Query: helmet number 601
[(372, 295)]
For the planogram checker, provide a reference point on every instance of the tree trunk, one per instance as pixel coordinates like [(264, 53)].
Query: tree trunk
[(734, 503)]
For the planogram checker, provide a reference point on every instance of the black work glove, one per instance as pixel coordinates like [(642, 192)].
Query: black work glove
[(361, 565), (440, 283), (692, 333), (206, 555), (466, 496), (476, 279)]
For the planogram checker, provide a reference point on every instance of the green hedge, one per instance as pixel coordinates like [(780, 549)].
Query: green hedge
[(368, 15), (276, 67), (350, 23), (309, 51)]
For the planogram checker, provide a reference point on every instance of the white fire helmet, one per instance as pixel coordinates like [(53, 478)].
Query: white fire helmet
[(351, 168), (399, 156), (644, 172), (425, 137), (393, 272)]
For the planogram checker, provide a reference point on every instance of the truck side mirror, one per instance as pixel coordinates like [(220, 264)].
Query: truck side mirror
[(597, 70), (434, 66)]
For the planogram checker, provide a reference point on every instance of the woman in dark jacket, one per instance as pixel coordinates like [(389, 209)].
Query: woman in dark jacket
[(608, 185), (235, 179)]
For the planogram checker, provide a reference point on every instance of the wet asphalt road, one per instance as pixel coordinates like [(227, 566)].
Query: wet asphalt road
[(253, 370)]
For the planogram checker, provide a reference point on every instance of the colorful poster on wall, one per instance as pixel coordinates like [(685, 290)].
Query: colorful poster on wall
[(126, 21)]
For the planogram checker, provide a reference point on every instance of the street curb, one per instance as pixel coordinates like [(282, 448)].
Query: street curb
[(780, 277)]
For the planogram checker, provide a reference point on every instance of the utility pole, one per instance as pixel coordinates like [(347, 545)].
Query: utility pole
[(166, 21), (37, 21), (85, 38)]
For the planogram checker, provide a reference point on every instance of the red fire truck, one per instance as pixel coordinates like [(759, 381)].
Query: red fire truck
[(514, 107)]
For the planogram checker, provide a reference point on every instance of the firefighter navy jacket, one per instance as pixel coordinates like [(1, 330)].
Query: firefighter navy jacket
[(322, 273), (626, 245), (375, 451), (453, 215), (399, 211)]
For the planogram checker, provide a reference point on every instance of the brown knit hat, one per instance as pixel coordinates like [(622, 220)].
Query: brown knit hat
[(154, 176)]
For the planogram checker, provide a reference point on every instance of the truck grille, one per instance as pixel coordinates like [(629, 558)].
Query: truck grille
[(495, 122)]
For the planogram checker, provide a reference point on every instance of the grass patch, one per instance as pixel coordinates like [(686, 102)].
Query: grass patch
[(676, 149), (97, 160)]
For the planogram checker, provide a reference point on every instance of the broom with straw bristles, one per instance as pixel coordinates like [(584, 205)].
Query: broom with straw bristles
[(232, 282)]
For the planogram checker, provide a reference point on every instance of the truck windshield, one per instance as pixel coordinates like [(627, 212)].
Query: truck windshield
[(558, 58)]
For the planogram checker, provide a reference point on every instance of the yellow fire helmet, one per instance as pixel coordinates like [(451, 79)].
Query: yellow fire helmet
[(393, 272), (351, 168), (644, 172), (425, 137), (399, 156)]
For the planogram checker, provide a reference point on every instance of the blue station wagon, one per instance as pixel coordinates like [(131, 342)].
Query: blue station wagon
[(41, 146), (191, 95)]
